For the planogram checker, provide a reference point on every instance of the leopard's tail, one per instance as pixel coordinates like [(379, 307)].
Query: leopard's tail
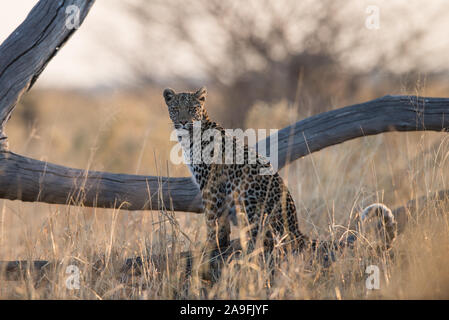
[(386, 228), (386, 231)]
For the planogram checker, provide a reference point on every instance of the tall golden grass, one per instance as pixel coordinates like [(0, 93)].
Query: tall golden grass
[(129, 133)]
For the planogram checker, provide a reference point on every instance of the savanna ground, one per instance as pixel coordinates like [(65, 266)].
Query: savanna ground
[(128, 132)]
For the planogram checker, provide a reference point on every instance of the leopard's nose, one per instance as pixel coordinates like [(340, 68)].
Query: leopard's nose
[(183, 123)]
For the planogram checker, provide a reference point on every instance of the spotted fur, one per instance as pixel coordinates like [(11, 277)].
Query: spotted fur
[(264, 200)]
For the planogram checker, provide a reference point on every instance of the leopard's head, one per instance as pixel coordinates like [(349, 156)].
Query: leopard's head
[(185, 108)]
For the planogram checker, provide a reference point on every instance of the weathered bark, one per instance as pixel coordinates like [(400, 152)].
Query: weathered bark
[(27, 51), (31, 180), (24, 55), (389, 113)]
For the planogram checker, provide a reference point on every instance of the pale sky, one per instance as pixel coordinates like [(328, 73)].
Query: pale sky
[(86, 62), (82, 62)]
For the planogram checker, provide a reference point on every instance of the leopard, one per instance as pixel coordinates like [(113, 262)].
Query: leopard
[(247, 186)]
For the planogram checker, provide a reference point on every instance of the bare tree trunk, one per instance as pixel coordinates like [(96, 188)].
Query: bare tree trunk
[(389, 113), (31, 180), (28, 50), (24, 55)]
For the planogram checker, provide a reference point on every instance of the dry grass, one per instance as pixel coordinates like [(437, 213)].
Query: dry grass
[(129, 133)]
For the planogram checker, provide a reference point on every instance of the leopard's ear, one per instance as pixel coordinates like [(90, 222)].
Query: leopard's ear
[(201, 94), (169, 95)]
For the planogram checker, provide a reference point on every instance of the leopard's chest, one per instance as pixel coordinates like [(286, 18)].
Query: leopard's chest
[(192, 158)]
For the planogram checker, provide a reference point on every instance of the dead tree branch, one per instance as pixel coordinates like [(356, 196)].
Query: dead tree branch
[(24, 55), (28, 50), (27, 179)]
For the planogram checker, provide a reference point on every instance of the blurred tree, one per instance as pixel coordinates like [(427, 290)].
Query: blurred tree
[(260, 49)]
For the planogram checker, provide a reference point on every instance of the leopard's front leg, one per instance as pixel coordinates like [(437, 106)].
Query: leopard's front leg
[(217, 223), (218, 234)]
